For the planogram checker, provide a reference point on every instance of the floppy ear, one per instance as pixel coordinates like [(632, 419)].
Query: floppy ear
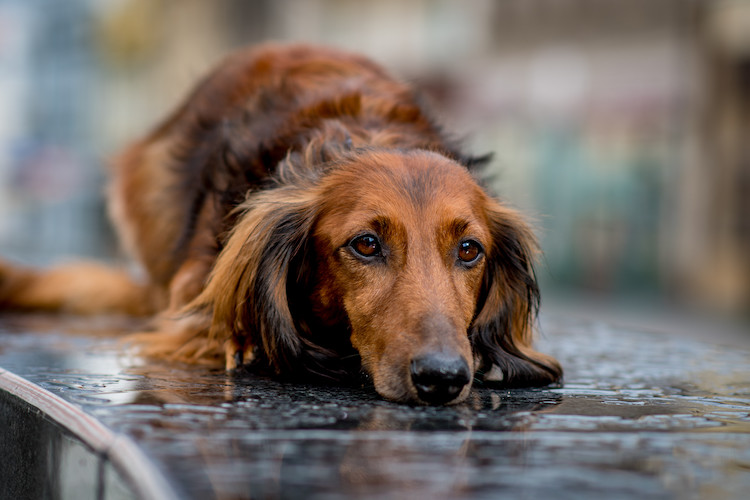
[(247, 293), (503, 328), (243, 313)]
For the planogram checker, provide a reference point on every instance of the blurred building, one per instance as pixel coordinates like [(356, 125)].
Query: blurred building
[(619, 125)]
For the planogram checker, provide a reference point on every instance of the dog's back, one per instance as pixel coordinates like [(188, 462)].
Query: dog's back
[(173, 192)]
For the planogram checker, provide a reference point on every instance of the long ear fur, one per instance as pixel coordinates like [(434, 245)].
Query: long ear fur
[(244, 310), (247, 292), (258, 292), (503, 328)]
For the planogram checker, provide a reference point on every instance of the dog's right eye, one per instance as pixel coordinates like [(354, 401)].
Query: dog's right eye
[(366, 246)]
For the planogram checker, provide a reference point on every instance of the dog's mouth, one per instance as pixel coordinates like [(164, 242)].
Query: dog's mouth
[(434, 380), (438, 395)]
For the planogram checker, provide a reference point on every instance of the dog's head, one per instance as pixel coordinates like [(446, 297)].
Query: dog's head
[(400, 255)]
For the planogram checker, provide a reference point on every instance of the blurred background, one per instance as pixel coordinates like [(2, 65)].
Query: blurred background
[(620, 126)]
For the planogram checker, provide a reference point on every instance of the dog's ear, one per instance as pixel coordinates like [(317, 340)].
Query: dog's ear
[(503, 327), (248, 291)]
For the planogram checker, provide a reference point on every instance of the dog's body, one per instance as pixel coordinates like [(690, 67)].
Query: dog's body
[(301, 212)]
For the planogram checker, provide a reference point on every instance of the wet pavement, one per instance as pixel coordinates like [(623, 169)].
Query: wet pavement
[(641, 415)]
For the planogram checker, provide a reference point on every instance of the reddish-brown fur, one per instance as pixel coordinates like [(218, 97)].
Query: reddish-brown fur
[(244, 208)]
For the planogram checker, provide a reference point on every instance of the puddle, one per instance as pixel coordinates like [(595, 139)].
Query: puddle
[(640, 415)]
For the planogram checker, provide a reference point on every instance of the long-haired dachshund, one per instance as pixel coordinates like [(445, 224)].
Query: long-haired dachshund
[(300, 212)]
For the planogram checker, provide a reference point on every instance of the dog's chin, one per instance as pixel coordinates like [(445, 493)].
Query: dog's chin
[(460, 398)]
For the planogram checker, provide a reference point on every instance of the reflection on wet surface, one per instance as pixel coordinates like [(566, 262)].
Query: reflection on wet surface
[(41, 460), (640, 415)]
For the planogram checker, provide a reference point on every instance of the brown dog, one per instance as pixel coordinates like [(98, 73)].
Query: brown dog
[(300, 212)]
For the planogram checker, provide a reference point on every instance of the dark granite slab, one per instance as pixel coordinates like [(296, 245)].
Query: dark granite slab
[(641, 415)]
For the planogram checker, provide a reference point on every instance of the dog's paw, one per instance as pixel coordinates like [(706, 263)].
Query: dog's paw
[(237, 356)]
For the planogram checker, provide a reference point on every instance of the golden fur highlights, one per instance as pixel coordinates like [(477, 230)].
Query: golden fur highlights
[(301, 214)]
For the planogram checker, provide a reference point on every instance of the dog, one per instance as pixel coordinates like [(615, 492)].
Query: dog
[(301, 212)]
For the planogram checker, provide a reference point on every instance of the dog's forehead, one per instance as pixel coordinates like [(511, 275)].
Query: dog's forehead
[(419, 177), (416, 187)]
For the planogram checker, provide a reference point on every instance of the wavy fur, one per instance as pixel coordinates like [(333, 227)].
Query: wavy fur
[(243, 208)]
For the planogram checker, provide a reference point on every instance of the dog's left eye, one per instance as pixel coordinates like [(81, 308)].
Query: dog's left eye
[(366, 246), (469, 251)]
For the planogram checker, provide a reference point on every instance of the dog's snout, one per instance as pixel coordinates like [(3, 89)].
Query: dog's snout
[(438, 377)]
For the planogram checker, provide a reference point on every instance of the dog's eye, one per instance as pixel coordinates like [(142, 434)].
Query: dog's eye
[(366, 245), (469, 251)]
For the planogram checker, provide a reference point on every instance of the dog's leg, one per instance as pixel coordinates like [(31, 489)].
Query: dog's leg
[(80, 288), (199, 256), (188, 281)]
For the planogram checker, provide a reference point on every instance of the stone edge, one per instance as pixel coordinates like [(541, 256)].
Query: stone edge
[(124, 454)]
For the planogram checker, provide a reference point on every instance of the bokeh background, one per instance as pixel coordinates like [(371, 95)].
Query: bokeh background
[(621, 127)]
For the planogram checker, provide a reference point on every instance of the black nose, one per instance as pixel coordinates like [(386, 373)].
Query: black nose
[(439, 377)]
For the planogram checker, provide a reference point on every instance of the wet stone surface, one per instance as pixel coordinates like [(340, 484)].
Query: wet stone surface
[(641, 415)]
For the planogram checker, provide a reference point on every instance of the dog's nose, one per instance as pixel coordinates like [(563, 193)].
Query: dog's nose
[(439, 377)]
